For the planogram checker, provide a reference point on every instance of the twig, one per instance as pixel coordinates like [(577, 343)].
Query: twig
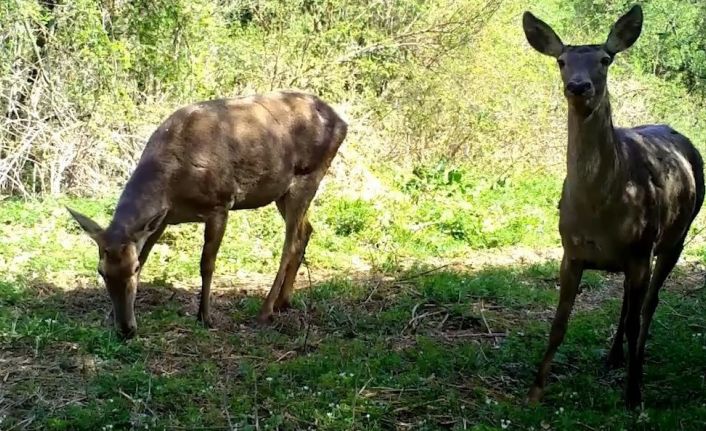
[(257, 417), (285, 355), (372, 292), (128, 397), (225, 402), (485, 321), (412, 277)]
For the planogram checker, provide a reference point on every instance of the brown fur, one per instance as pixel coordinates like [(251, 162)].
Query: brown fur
[(629, 196), (212, 157)]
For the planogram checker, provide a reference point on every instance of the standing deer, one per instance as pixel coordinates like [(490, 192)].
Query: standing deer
[(205, 160), (629, 196)]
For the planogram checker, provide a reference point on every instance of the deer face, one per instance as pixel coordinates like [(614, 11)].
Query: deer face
[(120, 269), (584, 68), (119, 265)]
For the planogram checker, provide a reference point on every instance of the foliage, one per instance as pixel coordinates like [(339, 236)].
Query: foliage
[(454, 158), (672, 45)]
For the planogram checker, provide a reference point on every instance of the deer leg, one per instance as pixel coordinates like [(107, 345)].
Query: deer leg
[(616, 356), (663, 267), (293, 206), (284, 300), (151, 241), (213, 235), (569, 278), (637, 276)]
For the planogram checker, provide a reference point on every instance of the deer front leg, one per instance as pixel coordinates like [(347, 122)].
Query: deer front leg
[(569, 278), (637, 276), (213, 235), (149, 243)]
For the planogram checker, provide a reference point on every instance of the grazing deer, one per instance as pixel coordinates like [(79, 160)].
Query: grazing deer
[(629, 195), (205, 160)]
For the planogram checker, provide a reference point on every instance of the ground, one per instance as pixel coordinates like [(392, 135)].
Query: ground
[(452, 345)]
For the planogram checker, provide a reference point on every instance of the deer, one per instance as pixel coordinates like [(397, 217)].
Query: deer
[(628, 198), (205, 160)]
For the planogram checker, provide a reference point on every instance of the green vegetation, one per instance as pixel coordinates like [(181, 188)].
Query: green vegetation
[(432, 272)]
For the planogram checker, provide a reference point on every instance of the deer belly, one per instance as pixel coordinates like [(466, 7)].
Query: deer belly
[(600, 251), (261, 193)]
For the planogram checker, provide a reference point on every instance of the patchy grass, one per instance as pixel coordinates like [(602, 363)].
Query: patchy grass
[(427, 349), (414, 319)]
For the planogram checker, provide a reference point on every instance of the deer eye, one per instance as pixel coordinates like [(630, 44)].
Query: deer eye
[(606, 61), (560, 62), (136, 268)]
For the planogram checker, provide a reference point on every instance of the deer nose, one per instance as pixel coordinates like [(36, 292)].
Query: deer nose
[(579, 88)]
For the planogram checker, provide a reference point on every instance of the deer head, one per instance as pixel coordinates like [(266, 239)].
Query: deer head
[(584, 68), (119, 265)]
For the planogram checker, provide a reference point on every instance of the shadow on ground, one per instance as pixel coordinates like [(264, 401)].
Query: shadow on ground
[(429, 348)]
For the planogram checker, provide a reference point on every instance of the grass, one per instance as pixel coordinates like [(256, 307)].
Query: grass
[(407, 324), (444, 349)]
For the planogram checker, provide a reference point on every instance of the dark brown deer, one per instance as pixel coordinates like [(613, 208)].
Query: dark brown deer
[(205, 160), (629, 196)]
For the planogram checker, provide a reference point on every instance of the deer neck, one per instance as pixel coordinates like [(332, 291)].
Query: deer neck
[(142, 198), (592, 155)]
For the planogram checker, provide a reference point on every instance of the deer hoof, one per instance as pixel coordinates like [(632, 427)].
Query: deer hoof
[(615, 358), (265, 318), (282, 305), (535, 395), (205, 321)]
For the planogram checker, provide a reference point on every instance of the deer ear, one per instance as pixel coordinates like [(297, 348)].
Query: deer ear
[(87, 224), (625, 31), (541, 36), (148, 226)]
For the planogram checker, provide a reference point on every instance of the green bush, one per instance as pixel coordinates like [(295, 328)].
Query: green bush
[(348, 217)]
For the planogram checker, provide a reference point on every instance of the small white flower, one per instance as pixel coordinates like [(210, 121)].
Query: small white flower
[(306, 388), (269, 379), (505, 423)]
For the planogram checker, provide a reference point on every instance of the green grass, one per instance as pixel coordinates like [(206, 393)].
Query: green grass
[(393, 333), (407, 354), (443, 219)]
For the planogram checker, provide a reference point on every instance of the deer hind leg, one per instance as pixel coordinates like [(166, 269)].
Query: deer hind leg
[(284, 300), (637, 277), (663, 267), (616, 356), (293, 207), (213, 235), (569, 278)]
